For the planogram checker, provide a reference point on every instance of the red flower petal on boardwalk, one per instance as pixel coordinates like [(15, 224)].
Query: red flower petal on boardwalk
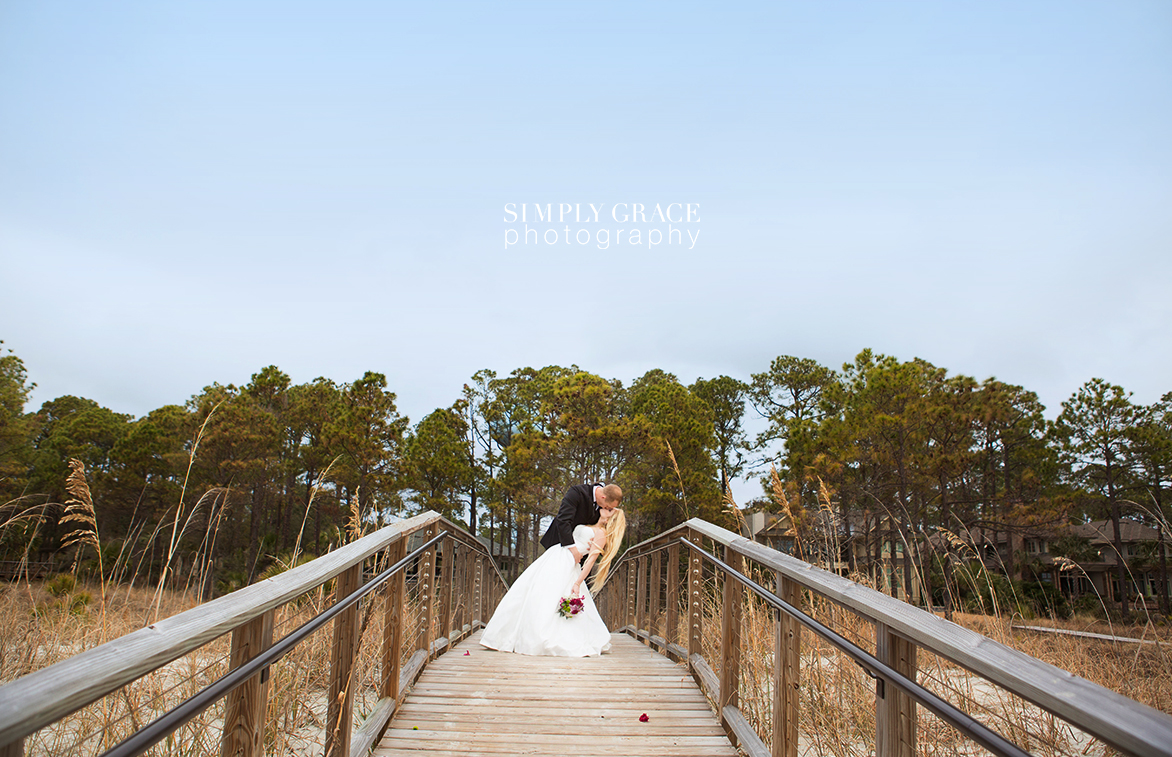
[(467, 653), (643, 718)]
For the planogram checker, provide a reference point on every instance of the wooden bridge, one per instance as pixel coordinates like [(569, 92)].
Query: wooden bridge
[(725, 645), (487, 702)]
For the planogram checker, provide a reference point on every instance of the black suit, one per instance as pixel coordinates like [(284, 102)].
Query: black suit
[(577, 509)]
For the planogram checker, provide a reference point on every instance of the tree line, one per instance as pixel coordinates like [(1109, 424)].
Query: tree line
[(906, 451), (261, 474), (254, 476)]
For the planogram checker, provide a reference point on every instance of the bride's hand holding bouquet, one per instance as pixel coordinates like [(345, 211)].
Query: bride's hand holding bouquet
[(570, 606)]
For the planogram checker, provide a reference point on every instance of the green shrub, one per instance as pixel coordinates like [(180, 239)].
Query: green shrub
[(1045, 599), (984, 592), (79, 602), (1089, 604), (61, 585), (282, 563), (230, 581)]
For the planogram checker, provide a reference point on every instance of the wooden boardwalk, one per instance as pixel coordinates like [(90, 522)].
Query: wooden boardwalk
[(494, 703)]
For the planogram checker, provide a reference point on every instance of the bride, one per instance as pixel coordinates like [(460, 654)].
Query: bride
[(527, 620)]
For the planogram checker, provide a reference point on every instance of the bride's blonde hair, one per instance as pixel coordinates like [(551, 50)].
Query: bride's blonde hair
[(615, 528)]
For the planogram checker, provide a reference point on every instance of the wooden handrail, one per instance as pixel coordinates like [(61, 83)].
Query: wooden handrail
[(901, 629), (45, 696)]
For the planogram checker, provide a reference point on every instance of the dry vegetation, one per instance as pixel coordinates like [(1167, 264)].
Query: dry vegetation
[(1142, 672), (44, 622), (49, 621), (838, 700)]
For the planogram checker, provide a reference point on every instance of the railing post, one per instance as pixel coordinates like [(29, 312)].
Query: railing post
[(629, 603), (484, 593), (338, 718), (695, 600), (465, 617), (446, 587), (672, 631), (487, 582), (641, 596), (459, 598), (477, 591), (244, 711), (787, 647), (427, 595), (618, 599), (654, 587), (494, 593), (730, 639), (895, 712), (12, 749), (470, 568), (396, 611)]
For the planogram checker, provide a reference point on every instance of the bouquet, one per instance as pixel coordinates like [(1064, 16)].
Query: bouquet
[(568, 607)]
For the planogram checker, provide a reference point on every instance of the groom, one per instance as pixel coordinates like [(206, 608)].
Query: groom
[(580, 507)]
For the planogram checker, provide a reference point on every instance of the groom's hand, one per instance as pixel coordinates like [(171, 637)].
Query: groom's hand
[(577, 555)]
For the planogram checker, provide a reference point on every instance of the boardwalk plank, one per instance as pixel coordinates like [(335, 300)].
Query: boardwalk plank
[(452, 708), (583, 709), (495, 703)]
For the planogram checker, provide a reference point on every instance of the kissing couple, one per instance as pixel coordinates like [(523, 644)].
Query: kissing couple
[(585, 534)]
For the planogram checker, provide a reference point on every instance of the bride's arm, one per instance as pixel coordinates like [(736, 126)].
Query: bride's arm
[(594, 553)]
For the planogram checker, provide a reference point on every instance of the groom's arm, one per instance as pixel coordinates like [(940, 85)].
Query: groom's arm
[(564, 521)]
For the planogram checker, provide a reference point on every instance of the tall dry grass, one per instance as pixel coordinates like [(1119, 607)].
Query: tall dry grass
[(44, 622), (40, 624), (837, 698)]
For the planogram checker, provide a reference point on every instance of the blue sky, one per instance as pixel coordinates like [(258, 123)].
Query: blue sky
[(192, 191)]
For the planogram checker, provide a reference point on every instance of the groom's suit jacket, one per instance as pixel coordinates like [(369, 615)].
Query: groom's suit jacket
[(577, 509)]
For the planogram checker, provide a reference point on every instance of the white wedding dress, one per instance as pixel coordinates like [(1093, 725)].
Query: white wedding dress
[(527, 621)]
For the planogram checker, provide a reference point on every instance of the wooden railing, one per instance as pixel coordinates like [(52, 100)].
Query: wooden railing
[(721, 573), (12, 569), (450, 605)]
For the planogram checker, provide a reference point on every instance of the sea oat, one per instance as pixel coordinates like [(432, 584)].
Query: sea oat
[(79, 508)]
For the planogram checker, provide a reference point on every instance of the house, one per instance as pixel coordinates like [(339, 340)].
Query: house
[(770, 529), (847, 549), (505, 555), (1079, 560), (1084, 560)]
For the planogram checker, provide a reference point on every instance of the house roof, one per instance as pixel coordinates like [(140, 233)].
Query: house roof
[(778, 527), (496, 549), (1102, 532), (970, 537)]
